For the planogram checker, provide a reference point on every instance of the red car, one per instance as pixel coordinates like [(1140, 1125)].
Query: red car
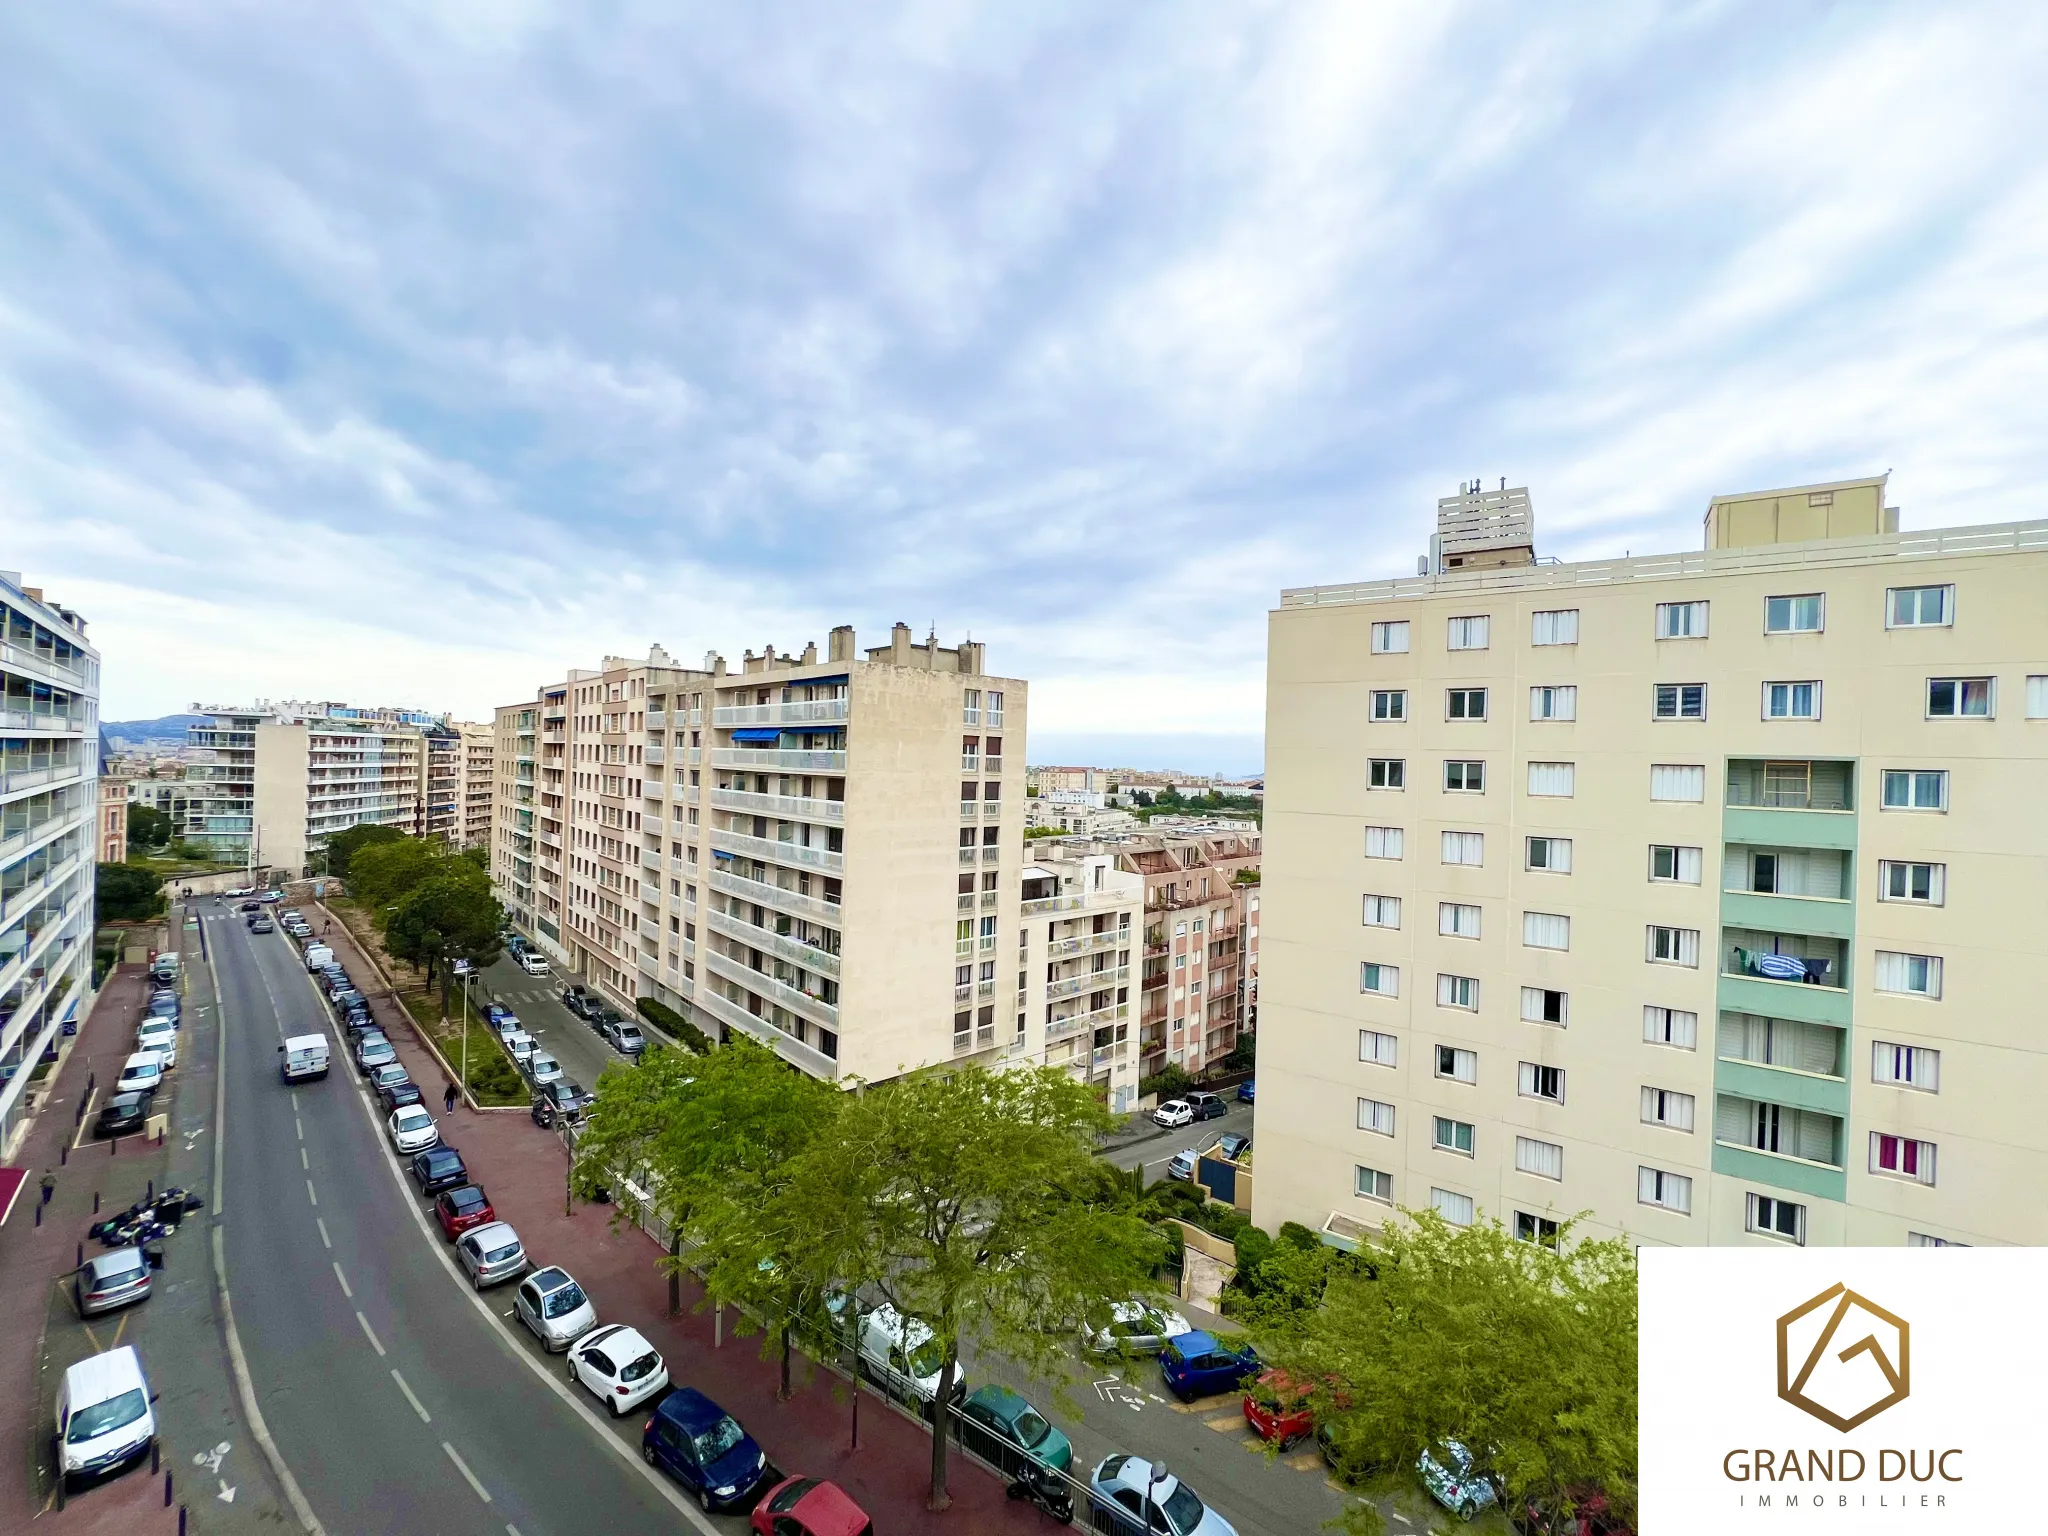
[(461, 1208), (803, 1506), (1276, 1409)]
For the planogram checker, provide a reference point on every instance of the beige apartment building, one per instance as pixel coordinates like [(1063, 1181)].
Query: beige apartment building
[(477, 783), (805, 848), (1078, 956), (1700, 892), (439, 811)]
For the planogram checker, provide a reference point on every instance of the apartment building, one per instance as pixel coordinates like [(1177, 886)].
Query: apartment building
[(1074, 810), (1078, 950), (49, 809), (514, 800), (477, 783), (113, 820), (1700, 892), (439, 813)]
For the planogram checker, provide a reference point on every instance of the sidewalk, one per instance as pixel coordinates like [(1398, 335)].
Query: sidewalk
[(525, 1171)]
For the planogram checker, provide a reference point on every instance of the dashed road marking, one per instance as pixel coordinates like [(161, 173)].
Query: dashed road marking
[(468, 1476), (309, 1192), (302, 1159), (417, 1406), (370, 1334), (325, 1240), (351, 1295)]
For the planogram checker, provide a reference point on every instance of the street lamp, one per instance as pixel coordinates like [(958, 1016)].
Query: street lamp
[(1154, 1476), (467, 977)]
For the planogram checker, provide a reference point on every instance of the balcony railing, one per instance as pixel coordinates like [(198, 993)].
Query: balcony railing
[(724, 1009), (1086, 943), (657, 719), (778, 852), (991, 853), (782, 946), (650, 858), (1089, 981), (991, 810), (784, 807), (815, 1009), (654, 757), (1043, 905), (775, 896), (800, 761), (794, 712), (1059, 1029)]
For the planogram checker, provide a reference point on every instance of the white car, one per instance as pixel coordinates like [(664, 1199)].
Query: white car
[(159, 1035), (542, 1069), (145, 1069), (412, 1128), (521, 1045), (555, 1307), (532, 964), (619, 1366), (1174, 1114)]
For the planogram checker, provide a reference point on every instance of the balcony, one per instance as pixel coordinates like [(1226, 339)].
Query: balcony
[(1045, 905), (780, 945), (14, 780), (770, 758), (798, 1001), (1090, 981), (657, 719), (650, 930), (967, 1042), (650, 966), (1777, 1144), (653, 756), (1087, 943), (775, 851), (796, 712), (650, 858), (783, 807), (989, 900), (1059, 1029), (775, 896)]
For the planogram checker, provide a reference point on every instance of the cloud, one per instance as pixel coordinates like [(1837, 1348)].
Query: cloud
[(421, 352)]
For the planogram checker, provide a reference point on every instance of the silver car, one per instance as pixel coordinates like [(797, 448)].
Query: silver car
[(1134, 1327), (110, 1280), (553, 1305), (491, 1253), (374, 1051)]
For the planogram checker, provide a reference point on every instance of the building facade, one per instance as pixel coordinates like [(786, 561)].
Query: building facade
[(113, 820), (49, 809), (1698, 892), (478, 783), (1078, 958), (440, 814)]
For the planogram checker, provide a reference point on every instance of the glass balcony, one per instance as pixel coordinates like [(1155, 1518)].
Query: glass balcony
[(796, 712), (774, 759)]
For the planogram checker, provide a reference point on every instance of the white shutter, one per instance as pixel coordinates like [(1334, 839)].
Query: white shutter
[(1383, 842), (1731, 1121), (1678, 781), (1689, 946), (1551, 779), (1817, 1050), (1546, 930), (1689, 866), (1815, 1137)]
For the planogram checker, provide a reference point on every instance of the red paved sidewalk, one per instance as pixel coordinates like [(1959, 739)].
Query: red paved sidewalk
[(524, 1169)]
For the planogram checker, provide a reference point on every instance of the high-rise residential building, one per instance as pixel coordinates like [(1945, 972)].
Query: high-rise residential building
[(779, 848), (49, 804), (439, 813), (478, 783), (1700, 892), (271, 783), (1077, 961)]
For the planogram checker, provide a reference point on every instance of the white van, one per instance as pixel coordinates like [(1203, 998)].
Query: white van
[(165, 966), (145, 1069), (318, 955), (903, 1356), (104, 1419), (305, 1056)]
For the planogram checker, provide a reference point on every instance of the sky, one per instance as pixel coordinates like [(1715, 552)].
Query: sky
[(415, 354)]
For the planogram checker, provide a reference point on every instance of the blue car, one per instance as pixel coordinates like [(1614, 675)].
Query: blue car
[(1247, 1091), (701, 1446), (1201, 1365)]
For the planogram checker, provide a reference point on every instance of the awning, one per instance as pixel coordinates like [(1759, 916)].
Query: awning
[(752, 734), (720, 853)]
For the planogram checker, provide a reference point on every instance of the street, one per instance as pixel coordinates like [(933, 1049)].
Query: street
[(538, 1002), (1157, 1147)]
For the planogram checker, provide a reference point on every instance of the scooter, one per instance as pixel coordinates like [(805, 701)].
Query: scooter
[(1049, 1491)]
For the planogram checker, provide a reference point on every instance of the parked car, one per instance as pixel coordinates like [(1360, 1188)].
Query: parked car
[(252, 906), (577, 999), (623, 1036), (398, 1095), (165, 1005), (1122, 1487), (112, 1279), (1447, 1471), (1182, 1165), (104, 1420), (803, 1506), (521, 1046), (373, 1050), (159, 1034), (145, 1069), (506, 1027), (1276, 1407), (438, 1168), (263, 925), (412, 1128), (1174, 1114), (532, 962), (496, 1013), (553, 1306), (1233, 1146), (1247, 1091), (125, 1113), (1012, 1419), (618, 1366), (1134, 1327), (1207, 1106), (385, 1076), (271, 898), (1200, 1364), (557, 1102), (490, 1253), (902, 1356), (463, 1207), (703, 1447), (542, 1069)]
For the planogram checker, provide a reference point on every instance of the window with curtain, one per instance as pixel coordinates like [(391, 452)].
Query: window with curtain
[(1546, 930), (1556, 779)]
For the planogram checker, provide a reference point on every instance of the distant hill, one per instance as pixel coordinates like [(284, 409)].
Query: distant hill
[(139, 735)]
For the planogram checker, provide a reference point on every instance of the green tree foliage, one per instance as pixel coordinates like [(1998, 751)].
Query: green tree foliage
[(973, 1202), (344, 846), (449, 916), (1524, 1353), (148, 827), (666, 1019), (125, 894), (386, 872)]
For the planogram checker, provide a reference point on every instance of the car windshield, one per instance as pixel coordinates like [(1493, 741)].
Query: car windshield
[(1031, 1429), (500, 1255), (718, 1439), (1183, 1510), (120, 1265), (926, 1358), (561, 1303), (466, 1199), (791, 1496), (105, 1418), (640, 1369)]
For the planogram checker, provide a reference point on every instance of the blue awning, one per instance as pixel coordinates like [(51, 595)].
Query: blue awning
[(720, 853), (769, 734)]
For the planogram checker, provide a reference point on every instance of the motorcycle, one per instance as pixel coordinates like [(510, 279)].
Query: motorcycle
[(1049, 1491)]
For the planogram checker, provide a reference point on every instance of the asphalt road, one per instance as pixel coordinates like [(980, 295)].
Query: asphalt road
[(537, 1000), (397, 1405), (1156, 1150)]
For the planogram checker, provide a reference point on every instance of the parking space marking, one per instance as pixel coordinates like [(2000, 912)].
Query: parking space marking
[(78, 1141), (470, 1477), (417, 1406), (325, 1240), (370, 1334), (351, 1295)]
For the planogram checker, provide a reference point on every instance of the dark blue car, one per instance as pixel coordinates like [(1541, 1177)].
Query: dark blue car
[(1248, 1091), (701, 1446), (1201, 1365)]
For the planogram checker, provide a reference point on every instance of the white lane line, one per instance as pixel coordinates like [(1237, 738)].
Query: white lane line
[(299, 1126), (463, 1467), (309, 1192), (417, 1406), (325, 1240), (351, 1295), (302, 1160), (370, 1335), (511, 1530)]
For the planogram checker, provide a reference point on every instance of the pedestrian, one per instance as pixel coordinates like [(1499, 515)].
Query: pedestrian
[(447, 1100), (49, 1185)]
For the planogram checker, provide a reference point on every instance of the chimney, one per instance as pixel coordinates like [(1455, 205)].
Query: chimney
[(899, 644), (810, 653), (839, 644)]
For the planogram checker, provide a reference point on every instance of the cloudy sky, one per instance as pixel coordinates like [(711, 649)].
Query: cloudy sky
[(417, 353)]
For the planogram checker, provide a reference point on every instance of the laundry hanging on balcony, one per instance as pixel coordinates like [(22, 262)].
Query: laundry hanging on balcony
[(1781, 967)]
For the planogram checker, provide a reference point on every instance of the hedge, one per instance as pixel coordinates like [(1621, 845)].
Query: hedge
[(670, 1022)]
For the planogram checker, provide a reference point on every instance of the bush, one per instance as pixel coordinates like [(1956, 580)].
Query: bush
[(672, 1023), (1295, 1235), (493, 1078), (1253, 1248), (1168, 1082), (125, 894)]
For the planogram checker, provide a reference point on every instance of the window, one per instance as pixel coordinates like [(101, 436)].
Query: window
[(1449, 1135), (1457, 920), (1371, 1184), (1919, 607), (1792, 701), (1376, 1117), (1456, 1209), (1554, 703), (1540, 1230), (1956, 698), (1681, 621), (1928, 1240), (1386, 773), (1383, 842), (1905, 1066), (1556, 626), (1924, 883), (1382, 911), (1915, 789), (1912, 975), (1545, 1159), (1772, 1217), (1390, 638), (2037, 697), (1457, 1063), (1663, 1107), (1677, 1027), (1381, 980), (1673, 1191), (1468, 634), (1543, 1005), (1378, 1048), (1551, 854), (1464, 703), (1674, 946), (1546, 930), (1465, 777), (1678, 865), (1902, 1157), (1463, 847), (1555, 779), (1534, 1081), (1680, 701), (1390, 703), (1678, 781), (1457, 992), (1793, 615)]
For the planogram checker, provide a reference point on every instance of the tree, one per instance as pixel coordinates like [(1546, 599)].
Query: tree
[(382, 874), (125, 894), (344, 846), (449, 916), (148, 827), (1524, 1353), (972, 1201)]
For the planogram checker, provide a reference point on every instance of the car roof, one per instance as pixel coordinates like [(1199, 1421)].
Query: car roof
[(827, 1510), (491, 1232), (117, 1261), (1001, 1401), (303, 1042), (157, 1021), (151, 1057), (553, 1278), (690, 1409), (133, 1093), (441, 1154), (414, 1109), (1136, 1472), (620, 1337), (1196, 1343), (464, 1189), (99, 1377)]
